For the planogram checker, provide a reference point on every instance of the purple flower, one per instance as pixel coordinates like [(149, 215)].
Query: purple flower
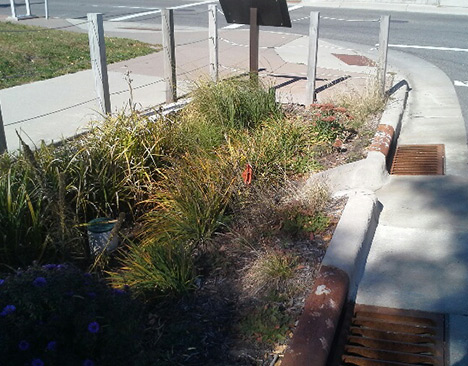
[(23, 345), (37, 362), (88, 362), (40, 282), (49, 266), (93, 327), (8, 310), (61, 266), (118, 291), (2, 282), (91, 295), (51, 346)]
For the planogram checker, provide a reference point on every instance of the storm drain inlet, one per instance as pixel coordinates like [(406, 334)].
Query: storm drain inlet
[(418, 160), (392, 337)]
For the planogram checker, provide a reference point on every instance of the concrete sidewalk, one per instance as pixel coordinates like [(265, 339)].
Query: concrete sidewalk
[(419, 255)]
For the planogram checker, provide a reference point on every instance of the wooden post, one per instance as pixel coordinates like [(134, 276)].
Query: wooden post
[(97, 48), (13, 9), (383, 50), (213, 41), (28, 8), (3, 143), (167, 19), (254, 43), (46, 9), (312, 58)]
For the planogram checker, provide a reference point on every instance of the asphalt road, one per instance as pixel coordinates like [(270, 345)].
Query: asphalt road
[(439, 39)]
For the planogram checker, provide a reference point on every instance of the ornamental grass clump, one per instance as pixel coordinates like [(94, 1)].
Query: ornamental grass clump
[(235, 103), (58, 315)]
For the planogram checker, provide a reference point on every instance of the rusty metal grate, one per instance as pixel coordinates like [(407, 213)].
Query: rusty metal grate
[(393, 337), (418, 160), (355, 60)]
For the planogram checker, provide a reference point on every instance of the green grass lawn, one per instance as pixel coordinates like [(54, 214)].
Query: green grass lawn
[(30, 53)]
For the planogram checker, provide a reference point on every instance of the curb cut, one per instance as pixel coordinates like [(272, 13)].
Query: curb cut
[(344, 262)]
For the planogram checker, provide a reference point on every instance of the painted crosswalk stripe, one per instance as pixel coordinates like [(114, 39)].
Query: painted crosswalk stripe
[(461, 83)]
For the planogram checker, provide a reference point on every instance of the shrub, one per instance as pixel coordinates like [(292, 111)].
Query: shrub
[(58, 315)]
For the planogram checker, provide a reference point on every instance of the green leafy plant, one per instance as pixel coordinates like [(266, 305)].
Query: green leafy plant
[(303, 222), (23, 229), (271, 272), (266, 324), (190, 203), (57, 315), (155, 270), (328, 122)]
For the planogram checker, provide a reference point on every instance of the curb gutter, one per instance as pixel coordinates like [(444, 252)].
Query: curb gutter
[(344, 262)]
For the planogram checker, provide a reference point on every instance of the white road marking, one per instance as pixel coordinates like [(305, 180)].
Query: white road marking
[(233, 26), (295, 7), (429, 47), (137, 15), (461, 83), (134, 7)]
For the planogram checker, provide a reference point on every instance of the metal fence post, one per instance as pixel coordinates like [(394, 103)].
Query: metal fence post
[(213, 41), (46, 9), (28, 8), (3, 143), (97, 48), (254, 44), (312, 59), (13, 9), (383, 50), (167, 20)]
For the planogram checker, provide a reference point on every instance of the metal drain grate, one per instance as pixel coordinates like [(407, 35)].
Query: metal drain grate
[(418, 160), (393, 337)]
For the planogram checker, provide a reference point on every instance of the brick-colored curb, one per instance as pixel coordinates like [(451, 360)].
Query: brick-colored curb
[(315, 331), (382, 140)]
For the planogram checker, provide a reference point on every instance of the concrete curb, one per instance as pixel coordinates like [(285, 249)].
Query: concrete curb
[(315, 331), (344, 262), (371, 172)]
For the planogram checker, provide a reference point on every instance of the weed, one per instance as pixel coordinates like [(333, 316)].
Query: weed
[(266, 324), (271, 272), (361, 106)]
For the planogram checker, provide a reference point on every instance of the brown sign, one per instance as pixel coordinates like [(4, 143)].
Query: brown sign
[(270, 12)]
